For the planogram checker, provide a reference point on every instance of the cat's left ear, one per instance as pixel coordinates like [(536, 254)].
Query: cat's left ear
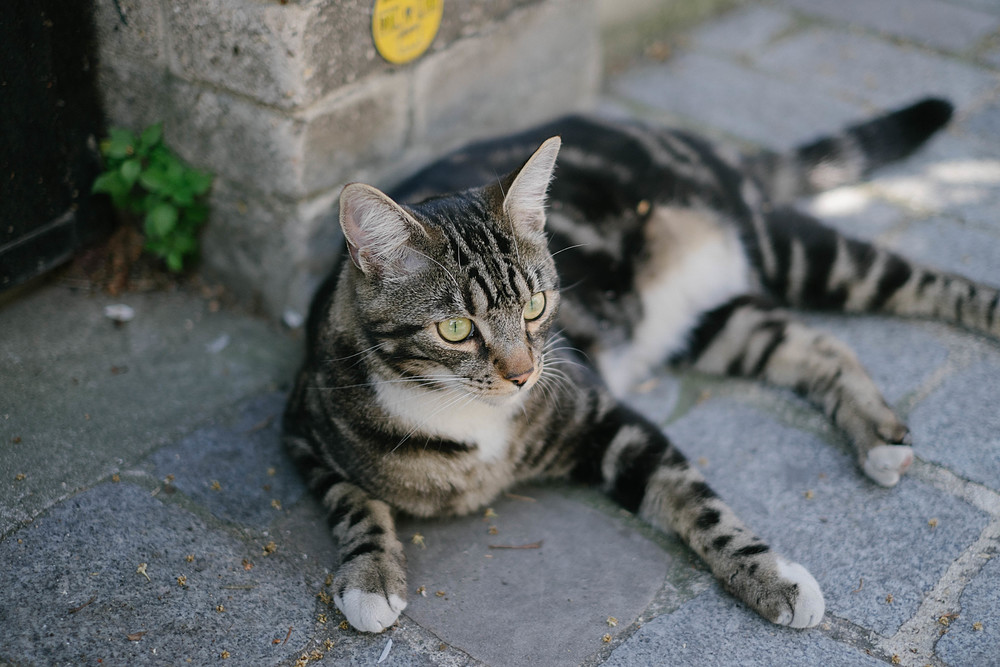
[(525, 200)]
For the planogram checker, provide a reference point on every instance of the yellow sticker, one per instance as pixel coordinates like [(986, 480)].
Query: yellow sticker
[(403, 29)]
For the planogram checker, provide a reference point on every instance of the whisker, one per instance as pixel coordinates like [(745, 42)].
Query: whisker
[(570, 247)]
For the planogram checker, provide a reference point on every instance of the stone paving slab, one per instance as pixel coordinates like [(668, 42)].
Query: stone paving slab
[(974, 637), (546, 604), (74, 595), (72, 379), (943, 25), (703, 91), (711, 630), (830, 63)]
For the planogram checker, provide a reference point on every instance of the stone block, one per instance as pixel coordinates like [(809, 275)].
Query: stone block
[(540, 62), (269, 249), (289, 55), (238, 140), (129, 33), (943, 25), (356, 136), (135, 96)]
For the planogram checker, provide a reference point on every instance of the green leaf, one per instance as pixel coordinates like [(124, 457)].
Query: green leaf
[(200, 181), (196, 213), (106, 182), (175, 261), (154, 179), (113, 184), (161, 220), (182, 195), (152, 135), (121, 144), (130, 170)]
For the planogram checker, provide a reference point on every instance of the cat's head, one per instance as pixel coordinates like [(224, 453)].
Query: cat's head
[(458, 292)]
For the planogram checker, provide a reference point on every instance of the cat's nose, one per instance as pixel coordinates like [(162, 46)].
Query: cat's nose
[(520, 379)]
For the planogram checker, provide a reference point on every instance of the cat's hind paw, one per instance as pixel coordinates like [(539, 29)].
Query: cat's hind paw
[(885, 464), (369, 612), (809, 605)]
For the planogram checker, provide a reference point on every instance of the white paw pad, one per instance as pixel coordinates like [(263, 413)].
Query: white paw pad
[(369, 612), (886, 463), (809, 605)]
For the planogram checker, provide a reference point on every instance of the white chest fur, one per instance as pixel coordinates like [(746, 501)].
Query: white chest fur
[(697, 264), (450, 416)]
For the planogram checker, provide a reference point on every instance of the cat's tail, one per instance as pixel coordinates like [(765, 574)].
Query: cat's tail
[(849, 156)]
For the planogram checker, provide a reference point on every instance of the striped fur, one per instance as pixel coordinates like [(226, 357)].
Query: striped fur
[(667, 251)]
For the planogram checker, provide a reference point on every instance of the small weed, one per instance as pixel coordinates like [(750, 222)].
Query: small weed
[(144, 178)]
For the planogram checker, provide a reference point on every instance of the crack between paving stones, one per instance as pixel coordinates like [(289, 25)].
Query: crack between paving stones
[(923, 631)]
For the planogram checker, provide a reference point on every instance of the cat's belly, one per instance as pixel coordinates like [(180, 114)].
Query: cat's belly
[(696, 264)]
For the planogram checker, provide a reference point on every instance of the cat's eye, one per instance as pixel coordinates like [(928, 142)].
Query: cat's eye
[(535, 306), (455, 329)]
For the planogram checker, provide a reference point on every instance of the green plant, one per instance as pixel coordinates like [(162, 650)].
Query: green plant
[(145, 178)]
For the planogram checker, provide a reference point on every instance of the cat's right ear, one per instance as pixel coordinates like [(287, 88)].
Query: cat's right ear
[(377, 229)]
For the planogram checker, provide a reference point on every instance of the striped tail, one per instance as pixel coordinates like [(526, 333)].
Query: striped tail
[(851, 155), (813, 266)]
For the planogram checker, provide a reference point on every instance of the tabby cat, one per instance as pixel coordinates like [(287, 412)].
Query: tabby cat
[(445, 363)]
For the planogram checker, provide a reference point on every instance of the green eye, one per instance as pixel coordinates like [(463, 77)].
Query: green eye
[(535, 306), (456, 329)]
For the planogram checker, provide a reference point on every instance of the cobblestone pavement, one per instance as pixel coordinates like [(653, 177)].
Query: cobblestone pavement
[(148, 515)]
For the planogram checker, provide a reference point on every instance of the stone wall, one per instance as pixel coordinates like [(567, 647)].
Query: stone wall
[(288, 100)]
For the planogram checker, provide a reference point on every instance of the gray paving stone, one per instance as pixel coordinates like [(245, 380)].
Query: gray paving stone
[(78, 381), (950, 246), (710, 630), (546, 605), (939, 24), (78, 595), (984, 124), (742, 32), (243, 453), (958, 425), (709, 91), (968, 644), (871, 71), (956, 175), (862, 543)]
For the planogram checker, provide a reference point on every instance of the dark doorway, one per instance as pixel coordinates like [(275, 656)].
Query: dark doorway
[(50, 122)]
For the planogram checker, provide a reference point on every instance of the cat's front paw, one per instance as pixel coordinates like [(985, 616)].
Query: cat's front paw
[(369, 612), (808, 606)]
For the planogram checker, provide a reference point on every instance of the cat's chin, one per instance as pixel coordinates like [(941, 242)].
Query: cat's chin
[(513, 398)]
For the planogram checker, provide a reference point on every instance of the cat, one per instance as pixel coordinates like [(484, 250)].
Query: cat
[(480, 329)]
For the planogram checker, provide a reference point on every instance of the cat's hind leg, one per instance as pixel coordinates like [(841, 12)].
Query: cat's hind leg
[(747, 337), (643, 471)]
